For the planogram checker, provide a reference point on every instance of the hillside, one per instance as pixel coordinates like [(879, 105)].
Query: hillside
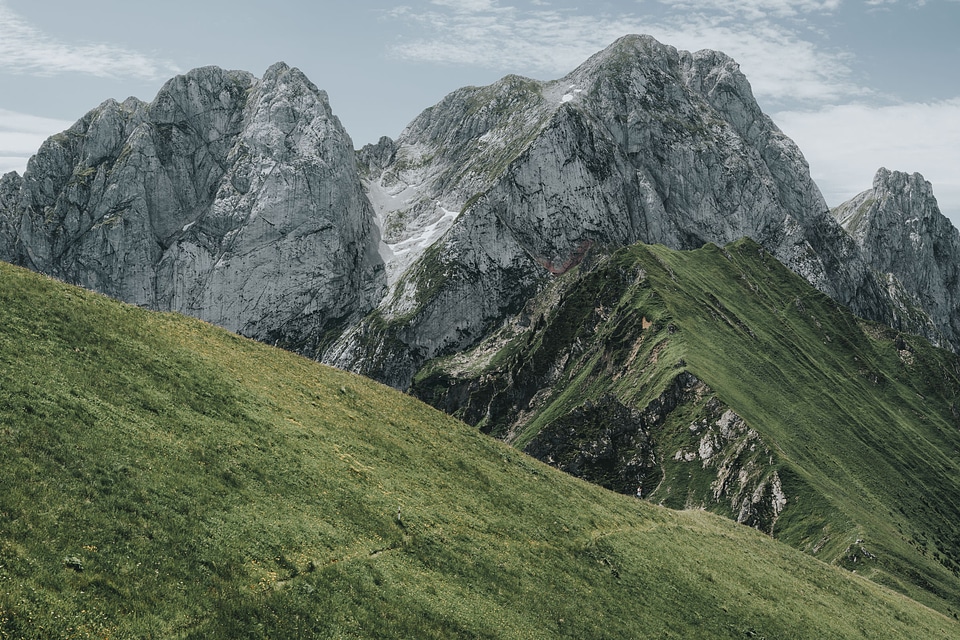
[(164, 478), (719, 379)]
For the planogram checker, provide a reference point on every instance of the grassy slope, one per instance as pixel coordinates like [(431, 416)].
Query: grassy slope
[(871, 430), (214, 487), (862, 424)]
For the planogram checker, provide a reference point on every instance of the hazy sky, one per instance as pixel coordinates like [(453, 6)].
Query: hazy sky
[(858, 84)]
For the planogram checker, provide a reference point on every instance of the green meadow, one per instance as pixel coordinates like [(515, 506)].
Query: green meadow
[(859, 423), (162, 478)]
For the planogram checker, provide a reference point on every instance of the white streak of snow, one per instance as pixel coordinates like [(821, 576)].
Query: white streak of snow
[(425, 236)]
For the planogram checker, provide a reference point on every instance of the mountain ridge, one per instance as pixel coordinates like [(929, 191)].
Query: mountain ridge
[(484, 197), (717, 379), (640, 143)]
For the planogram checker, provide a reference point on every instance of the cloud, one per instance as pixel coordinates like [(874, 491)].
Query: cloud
[(21, 135), (26, 50), (781, 64), (757, 9), (466, 6), (846, 144)]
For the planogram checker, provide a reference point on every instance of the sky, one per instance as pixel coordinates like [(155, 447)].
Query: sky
[(858, 84)]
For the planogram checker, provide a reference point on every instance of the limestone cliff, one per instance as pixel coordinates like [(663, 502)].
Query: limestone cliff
[(913, 248), (229, 198)]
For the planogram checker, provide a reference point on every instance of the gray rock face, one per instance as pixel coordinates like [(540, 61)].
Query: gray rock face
[(496, 188), (914, 249), (10, 184), (232, 199)]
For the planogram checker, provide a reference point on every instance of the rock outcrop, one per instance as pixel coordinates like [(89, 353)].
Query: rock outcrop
[(488, 194), (913, 248), (229, 198)]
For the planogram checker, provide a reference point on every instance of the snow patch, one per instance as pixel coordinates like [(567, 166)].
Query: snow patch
[(571, 93), (426, 235)]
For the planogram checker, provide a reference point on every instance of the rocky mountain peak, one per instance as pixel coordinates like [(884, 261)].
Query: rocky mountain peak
[(907, 194), (897, 197), (627, 54), (912, 246), (228, 197), (496, 189)]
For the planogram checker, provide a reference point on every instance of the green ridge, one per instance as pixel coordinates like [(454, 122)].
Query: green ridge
[(859, 425), (162, 478)]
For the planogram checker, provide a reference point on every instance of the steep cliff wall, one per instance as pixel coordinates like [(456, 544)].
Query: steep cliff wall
[(914, 250)]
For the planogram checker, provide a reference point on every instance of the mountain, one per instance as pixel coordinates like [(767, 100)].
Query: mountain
[(509, 217), (914, 248), (495, 190), (718, 379), (164, 478), (241, 201), (229, 198)]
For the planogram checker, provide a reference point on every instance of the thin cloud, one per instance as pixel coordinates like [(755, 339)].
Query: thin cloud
[(466, 6), (21, 135), (846, 144), (757, 9), (25, 49), (781, 65)]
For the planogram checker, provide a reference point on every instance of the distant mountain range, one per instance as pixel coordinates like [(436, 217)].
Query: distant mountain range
[(627, 272)]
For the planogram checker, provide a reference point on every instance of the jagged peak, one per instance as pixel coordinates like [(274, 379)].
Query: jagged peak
[(277, 68), (282, 73), (206, 74), (706, 69), (9, 181), (712, 74), (634, 45), (902, 182), (646, 51), (897, 199), (630, 50)]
